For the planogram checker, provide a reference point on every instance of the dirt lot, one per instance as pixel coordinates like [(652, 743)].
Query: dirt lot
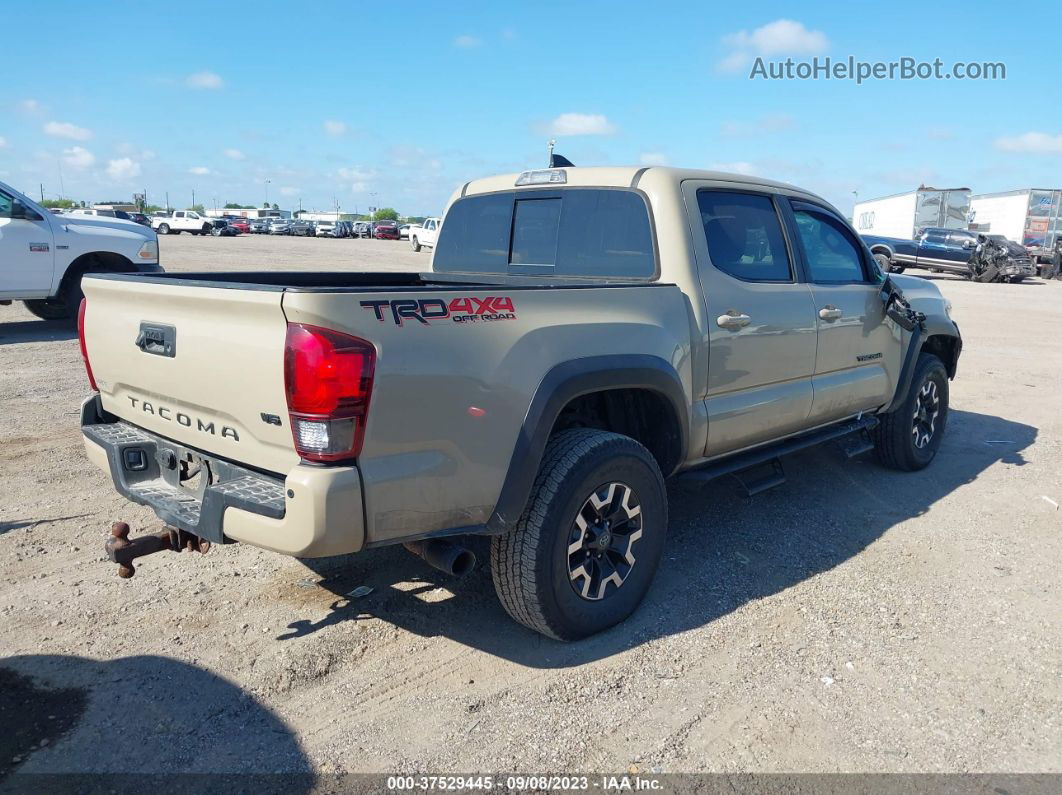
[(855, 619)]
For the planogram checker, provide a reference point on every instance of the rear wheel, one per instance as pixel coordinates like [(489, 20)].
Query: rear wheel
[(908, 438), (585, 550), (415, 243), (164, 229)]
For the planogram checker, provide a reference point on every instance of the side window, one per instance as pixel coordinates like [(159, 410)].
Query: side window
[(961, 239), (178, 214), (193, 215), (5, 205), (829, 250), (934, 236), (744, 235)]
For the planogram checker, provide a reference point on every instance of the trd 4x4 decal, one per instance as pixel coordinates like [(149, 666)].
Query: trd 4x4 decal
[(472, 309)]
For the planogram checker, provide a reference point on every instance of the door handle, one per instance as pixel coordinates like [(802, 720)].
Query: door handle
[(733, 320), (830, 312)]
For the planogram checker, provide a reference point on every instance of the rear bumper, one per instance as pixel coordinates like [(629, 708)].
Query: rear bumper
[(310, 512)]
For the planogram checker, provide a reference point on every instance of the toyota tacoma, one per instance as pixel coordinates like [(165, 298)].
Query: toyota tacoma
[(584, 334)]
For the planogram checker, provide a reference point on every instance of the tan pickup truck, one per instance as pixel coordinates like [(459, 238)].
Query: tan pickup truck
[(584, 334)]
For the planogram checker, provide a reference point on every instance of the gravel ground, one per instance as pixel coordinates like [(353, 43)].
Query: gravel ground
[(854, 619)]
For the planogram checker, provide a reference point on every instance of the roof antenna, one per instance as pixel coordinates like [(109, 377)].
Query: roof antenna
[(558, 161)]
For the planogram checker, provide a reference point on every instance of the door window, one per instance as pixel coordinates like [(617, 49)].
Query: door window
[(5, 205), (744, 236), (829, 250)]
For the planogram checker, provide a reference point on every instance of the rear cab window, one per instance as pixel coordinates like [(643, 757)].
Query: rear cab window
[(589, 232)]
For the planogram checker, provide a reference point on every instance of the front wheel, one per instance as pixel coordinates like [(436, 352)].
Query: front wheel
[(415, 243), (908, 438), (584, 552)]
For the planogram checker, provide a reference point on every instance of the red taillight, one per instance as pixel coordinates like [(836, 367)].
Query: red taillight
[(328, 379), (84, 350)]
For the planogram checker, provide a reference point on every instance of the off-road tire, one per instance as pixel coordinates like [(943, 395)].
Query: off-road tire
[(415, 243), (894, 438), (530, 565)]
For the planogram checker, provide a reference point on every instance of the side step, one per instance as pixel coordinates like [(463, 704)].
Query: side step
[(769, 453), (755, 481)]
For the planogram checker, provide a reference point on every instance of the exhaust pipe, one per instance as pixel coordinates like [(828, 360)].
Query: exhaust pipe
[(444, 556)]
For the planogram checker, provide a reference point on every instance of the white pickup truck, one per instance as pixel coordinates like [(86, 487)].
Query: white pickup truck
[(43, 256), (425, 235), (182, 221)]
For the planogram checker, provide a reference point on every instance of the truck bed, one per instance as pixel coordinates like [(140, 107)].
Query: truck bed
[(199, 359)]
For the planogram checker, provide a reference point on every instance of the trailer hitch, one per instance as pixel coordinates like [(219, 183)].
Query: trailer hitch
[(124, 550)]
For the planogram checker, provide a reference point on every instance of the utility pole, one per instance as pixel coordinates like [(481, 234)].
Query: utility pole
[(552, 143), (267, 191), (42, 193), (167, 202), (193, 197)]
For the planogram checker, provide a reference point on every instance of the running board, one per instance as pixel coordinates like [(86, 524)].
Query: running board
[(768, 453)]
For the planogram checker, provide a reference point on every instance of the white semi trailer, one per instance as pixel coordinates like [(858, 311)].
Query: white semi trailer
[(903, 214), (1031, 217)]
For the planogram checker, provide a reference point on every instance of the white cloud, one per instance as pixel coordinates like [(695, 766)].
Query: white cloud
[(199, 171), (467, 42), (781, 37), (204, 80), (289, 191), (653, 159), (123, 168), (3, 142), (771, 123), (736, 167), (358, 178), (234, 154), (1031, 143), (336, 128), (581, 124), (78, 157), (30, 106), (64, 129)]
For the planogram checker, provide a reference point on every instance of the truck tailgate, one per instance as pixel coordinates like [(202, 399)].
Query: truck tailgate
[(208, 371)]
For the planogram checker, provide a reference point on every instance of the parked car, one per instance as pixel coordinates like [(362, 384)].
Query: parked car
[(425, 234), (43, 256), (576, 353), (121, 214), (140, 218), (240, 224), (303, 228), (222, 228), (362, 229), (279, 226), (181, 221), (943, 251), (403, 231), (259, 226), (385, 230), (326, 228), (348, 228)]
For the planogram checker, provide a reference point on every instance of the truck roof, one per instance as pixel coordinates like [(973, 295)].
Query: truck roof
[(620, 177), (644, 177)]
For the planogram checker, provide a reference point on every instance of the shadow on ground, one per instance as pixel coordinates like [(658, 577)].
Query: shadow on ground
[(35, 331), (723, 550), (66, 717)]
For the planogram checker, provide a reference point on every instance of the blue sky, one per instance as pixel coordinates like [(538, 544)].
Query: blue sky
[(347, 100)]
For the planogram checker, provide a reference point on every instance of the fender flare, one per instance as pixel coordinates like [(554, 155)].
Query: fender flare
[(919, 336), (562, 384)]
